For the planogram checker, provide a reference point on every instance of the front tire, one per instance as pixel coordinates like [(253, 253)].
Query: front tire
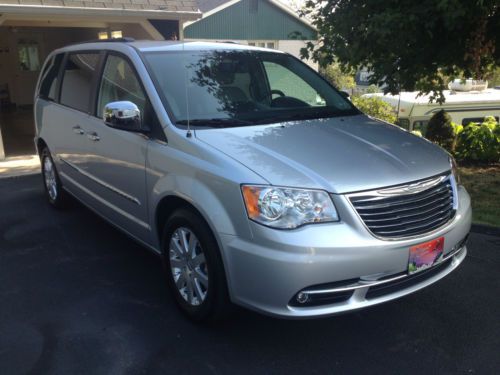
[(54, 191), (193, 264)]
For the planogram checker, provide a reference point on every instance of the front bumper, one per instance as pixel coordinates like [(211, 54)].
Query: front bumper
[(267, 272)]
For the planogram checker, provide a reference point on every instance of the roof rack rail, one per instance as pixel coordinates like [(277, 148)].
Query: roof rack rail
[(111, 40)]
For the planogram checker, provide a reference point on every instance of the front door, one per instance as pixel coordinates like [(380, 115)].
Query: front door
[(117, 162)]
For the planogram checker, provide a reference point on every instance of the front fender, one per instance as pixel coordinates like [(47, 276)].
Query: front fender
[(207, 180)]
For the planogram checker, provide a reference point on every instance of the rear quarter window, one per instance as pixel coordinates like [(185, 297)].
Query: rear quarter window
[(50, 76)]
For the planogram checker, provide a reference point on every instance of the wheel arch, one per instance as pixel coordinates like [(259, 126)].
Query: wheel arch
[(40, 145)]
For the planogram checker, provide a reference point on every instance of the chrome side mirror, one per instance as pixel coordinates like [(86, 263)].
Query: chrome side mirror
[(123, 115)]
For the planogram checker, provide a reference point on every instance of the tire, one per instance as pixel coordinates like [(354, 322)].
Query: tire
[(54, 191), (196, 276)]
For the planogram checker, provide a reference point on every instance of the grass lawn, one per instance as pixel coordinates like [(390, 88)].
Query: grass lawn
[(483, 185)]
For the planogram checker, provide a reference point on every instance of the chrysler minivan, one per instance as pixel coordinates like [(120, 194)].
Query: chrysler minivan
[(256, 181)]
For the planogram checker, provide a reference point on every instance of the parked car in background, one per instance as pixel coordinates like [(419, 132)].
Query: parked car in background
[(463, 107), (256, 181)]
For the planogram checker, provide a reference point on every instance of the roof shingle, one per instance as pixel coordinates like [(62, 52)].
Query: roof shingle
[(165, 5)]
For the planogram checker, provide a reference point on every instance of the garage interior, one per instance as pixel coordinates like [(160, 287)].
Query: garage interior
[(25, 41)]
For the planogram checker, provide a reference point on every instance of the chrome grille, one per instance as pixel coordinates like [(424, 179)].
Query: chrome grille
[(407, 210)]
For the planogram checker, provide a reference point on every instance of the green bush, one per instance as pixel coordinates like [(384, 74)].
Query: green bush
[(479, 142), (334, 74), (418, 133), (375, 107), (441, 131)]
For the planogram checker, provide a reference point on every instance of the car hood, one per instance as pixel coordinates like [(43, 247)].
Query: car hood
[(339, 155)]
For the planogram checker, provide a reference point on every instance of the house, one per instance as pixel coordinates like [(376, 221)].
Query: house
[(31, 29), (263, 23)]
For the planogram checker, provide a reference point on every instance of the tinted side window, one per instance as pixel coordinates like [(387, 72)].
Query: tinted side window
[(77, 80), (119, 83), (49, 81)]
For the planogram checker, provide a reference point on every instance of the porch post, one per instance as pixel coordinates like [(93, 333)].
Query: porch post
[(2, 151)]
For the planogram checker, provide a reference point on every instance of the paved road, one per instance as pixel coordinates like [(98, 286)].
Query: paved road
[(78, 297)]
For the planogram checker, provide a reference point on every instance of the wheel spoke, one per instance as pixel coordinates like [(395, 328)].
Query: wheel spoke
[(190, 291), (199, 292), (181, 281), (198, 260), (174, 245), (177, 263), (193, 242), (184, 241), (201, 277)]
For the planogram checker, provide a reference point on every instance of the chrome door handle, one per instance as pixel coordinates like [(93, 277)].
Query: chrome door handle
[(78, 130), (93, 136)]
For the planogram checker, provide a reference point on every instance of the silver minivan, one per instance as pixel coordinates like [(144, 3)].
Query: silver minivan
[(256, 181)]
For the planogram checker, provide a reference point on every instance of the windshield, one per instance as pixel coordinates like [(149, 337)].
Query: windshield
[(222, 88)]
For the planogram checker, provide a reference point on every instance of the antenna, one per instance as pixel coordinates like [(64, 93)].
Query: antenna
[(399, 104), (188, 134)]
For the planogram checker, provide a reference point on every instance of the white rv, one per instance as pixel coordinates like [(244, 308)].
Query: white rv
[(463, 107)]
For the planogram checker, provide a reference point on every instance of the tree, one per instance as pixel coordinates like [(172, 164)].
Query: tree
[(440, 130), (406, 44)]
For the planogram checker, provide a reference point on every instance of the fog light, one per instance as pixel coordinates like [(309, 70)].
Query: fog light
[(302, 297)]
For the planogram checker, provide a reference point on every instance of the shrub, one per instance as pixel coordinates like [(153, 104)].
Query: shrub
[(417, 133), (372, 89), (375, 107), (479, 142), (440, 130), (334, 74)]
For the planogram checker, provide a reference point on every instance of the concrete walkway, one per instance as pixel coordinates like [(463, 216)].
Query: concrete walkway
[(19, 166)]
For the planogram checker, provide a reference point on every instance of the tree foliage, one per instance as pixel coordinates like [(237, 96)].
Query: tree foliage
[(407, 45), (375, 107)]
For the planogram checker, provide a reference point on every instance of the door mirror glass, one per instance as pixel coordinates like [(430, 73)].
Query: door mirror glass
[(123, 115)]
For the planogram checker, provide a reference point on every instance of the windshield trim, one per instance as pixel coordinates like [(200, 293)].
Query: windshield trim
[(353, 111)]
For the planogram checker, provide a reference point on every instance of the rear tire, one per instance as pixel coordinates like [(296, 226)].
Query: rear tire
[(194, 268), (54, 191)]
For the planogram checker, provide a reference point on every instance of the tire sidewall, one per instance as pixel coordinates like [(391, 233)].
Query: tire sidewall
[(59, 201)]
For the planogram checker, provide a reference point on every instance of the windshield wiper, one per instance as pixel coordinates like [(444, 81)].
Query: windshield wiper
[(283, 117), (215, 122)]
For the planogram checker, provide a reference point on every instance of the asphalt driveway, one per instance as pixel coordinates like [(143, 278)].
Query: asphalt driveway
[(79, 297)]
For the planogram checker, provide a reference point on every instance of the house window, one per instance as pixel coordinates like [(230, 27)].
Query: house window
[(264, 44), (28, 52), (110, 34)]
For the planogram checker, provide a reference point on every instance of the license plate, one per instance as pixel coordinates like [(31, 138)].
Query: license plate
[(425, 255)]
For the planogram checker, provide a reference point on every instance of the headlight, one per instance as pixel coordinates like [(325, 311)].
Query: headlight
[(288, 208), (454, 170)]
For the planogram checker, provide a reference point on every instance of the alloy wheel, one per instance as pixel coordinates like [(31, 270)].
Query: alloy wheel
[(50, 177), (188, 266)]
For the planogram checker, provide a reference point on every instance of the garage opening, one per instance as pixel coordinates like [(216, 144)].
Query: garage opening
[(22, 53), (24, 45)]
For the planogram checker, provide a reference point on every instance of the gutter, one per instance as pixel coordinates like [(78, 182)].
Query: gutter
[(39, 11)]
